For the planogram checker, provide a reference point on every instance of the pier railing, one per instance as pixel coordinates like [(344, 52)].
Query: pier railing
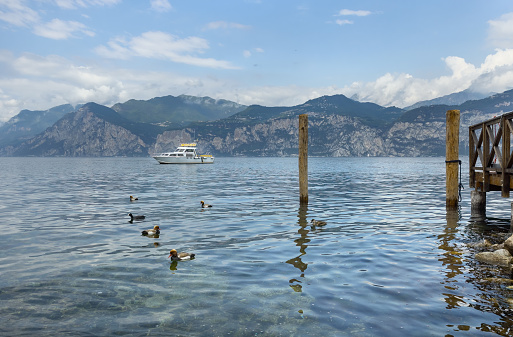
[(490, 157)]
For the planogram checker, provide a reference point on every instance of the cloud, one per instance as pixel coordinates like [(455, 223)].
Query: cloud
[(40, 82), (61, 30), (349, 12), (74, 4), (344, 22), (17, 13), (495, 74), (225, 25), (344, 12), (164, 46), (248, 53), (500, 32), (161, 5)]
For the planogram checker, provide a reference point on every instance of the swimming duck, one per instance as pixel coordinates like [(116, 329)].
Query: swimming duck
[(150, 232), (318, 223), (136, 217), (132, 198), (175, 256), (205, 205)]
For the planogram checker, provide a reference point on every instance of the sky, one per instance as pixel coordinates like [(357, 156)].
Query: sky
[(267, 52)]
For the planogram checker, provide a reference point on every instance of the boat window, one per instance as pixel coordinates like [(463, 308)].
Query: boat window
[(189, 150)]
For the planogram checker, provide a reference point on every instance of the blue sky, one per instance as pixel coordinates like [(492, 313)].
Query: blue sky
[(268, 52)]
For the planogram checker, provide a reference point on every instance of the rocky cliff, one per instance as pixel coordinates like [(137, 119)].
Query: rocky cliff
[(338, 127), (84, 133), (419, 132)]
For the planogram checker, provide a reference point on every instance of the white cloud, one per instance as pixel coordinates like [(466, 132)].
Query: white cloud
[(344, 22), (494, 75), (500, 32), (160, 45), (74, 4), (344, 12), (225, 25), (248, 53), (115, 49), (41, 82), (161, 5), (61, 30), (15, 12)]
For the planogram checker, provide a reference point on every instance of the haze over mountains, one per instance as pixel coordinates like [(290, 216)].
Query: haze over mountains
[(338, 126)]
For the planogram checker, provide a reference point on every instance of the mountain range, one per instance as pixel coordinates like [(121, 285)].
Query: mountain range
[(338, 126)]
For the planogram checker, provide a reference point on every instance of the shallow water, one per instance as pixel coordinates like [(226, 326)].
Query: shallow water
[(391, 261)]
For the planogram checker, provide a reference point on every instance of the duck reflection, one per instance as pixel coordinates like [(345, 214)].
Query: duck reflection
[(302, 243)]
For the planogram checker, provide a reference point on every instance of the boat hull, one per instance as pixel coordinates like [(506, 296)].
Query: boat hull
[(184, 160)]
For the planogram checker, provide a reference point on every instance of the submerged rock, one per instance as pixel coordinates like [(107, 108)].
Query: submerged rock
[(499, 280), (500, 257)]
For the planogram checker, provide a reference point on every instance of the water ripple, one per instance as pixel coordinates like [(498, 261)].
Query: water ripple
[(391, 261)]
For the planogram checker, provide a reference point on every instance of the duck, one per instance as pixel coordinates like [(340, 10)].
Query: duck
[(132, 198), (175, 256), (136, 217), (317, 223), (205, 205), (151, 232)]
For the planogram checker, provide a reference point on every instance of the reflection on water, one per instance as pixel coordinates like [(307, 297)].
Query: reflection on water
[(302, 243), (451, 259), (391, 261)]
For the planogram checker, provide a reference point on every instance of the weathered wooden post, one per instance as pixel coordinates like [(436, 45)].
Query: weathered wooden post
[(303, 159), (478, 205), (452, 157), (511, 219)]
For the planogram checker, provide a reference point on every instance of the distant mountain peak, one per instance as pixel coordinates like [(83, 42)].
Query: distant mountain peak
[(456, 98)]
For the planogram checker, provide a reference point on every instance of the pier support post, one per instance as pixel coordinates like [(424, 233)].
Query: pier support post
[(511, 219), (451, 157), (478, 205), (303, 159)]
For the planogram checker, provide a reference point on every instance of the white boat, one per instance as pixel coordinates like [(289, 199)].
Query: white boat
[(184, 154)]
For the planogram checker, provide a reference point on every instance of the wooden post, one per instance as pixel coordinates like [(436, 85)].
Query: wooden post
[(303, 159), (472, 153), (486, 158), (451, 157), (511, 219), (506, 152), (478, 205)]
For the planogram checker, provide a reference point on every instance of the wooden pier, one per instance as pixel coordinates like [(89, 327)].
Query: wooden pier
[(490, 157)]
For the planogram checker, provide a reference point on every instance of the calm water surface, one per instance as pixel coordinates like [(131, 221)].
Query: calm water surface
[(391, 262)]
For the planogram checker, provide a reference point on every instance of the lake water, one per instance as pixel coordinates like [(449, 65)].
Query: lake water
[(391, 261)]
